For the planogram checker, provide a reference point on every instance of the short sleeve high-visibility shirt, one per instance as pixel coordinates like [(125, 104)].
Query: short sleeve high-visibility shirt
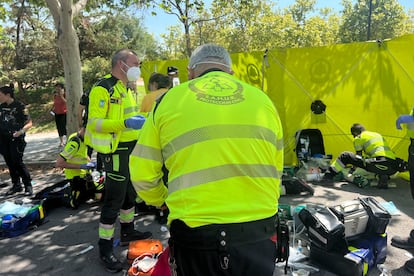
[(222, 143), (75, 152), (107, 111), (373, 144)]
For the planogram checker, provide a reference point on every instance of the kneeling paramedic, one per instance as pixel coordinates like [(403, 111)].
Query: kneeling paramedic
[(75, 161)]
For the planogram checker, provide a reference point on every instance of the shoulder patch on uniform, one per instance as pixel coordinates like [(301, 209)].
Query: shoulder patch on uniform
[(101, 103)]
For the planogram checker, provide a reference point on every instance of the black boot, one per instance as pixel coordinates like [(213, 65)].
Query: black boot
[(28, 190), (106, 254), (128, 234), (74, 199), (17, 188), (383, 181), (404, 242)]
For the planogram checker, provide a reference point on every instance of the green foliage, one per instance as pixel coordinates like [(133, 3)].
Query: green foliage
[(101, 35), (174, 44), (30, 57), (39, 103), (29, 52), (93, 69), (388, 20), (186, 13)]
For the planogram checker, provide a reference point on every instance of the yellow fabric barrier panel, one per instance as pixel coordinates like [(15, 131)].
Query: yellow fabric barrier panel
[(371, 83)]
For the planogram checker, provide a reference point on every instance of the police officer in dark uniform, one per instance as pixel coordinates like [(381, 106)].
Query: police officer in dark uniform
[(14, 122)]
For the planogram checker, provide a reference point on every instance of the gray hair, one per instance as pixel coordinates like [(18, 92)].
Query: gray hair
[(210, 53), (121, 55)]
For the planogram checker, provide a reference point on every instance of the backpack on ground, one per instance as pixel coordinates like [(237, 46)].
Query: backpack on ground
[(19, 218), (308, 142), (56, 195)]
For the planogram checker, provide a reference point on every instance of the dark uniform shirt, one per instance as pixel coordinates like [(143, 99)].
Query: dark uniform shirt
[(12, 118)]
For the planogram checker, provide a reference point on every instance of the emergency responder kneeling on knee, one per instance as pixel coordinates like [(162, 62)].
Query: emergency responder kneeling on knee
[(75, 160)]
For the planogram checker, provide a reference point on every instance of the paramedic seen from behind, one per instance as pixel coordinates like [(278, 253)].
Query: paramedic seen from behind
[(222, 143)]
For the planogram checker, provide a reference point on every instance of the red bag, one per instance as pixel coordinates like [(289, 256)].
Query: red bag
[(162, 267)]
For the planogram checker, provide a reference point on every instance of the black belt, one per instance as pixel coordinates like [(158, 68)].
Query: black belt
[(207, 236)]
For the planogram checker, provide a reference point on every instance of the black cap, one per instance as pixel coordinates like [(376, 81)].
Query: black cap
[(172, 70)]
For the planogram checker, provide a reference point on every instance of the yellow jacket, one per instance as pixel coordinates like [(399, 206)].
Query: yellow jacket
[(75, 152), (373, 144), (106, 117), (149, 99), (222, 142)]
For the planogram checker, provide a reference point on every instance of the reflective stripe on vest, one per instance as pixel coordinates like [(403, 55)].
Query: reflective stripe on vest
[(121, 105), (373, 145)]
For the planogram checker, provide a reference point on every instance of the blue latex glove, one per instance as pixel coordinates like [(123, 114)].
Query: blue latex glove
[(404, 119), (88, 166), (135, 122)]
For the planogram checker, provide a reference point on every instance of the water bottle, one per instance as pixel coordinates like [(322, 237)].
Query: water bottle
[(175, 81), (299, 248), (95, 176)]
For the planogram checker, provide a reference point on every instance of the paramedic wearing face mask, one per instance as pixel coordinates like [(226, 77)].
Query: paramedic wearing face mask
[(112, 130)]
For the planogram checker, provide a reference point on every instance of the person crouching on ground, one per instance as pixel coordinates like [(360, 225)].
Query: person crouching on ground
[(74, 159), (373, 154), (222, 143)]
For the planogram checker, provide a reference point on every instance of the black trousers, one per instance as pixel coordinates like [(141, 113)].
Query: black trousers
[(224, 249), (13, 150), (377, 165), (83, 188), (411, 166), (99, 165), (60, 120), (119, 192)]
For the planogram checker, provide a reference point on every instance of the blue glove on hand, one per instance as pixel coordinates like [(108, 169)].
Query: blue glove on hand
[(404, 119), (135, 122), (88, 166)]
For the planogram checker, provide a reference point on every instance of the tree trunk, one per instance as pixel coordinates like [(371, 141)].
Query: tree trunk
[(68, 43), (69, 46)]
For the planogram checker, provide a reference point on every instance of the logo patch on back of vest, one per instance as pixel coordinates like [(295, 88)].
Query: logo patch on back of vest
[(219, 90)]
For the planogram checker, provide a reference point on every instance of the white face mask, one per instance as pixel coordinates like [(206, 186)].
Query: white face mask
[(133, 72)]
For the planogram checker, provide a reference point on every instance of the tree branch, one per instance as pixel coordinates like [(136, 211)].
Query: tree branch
[(79, 6), (54, 7)]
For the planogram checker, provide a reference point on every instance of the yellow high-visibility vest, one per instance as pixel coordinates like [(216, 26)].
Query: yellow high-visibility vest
[(373, 145), (106, 117), (75, 152), (222, 142)]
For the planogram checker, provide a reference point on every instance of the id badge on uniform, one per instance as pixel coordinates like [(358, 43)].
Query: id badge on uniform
[(115, 101)]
